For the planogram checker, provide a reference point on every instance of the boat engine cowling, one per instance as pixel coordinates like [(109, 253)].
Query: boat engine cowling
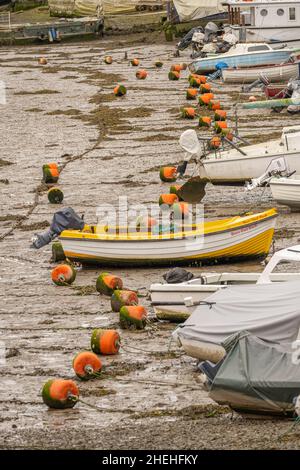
[(64, 219)]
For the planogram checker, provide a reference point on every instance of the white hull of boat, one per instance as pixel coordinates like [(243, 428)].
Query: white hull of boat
[(233, 167), (280, 36), (169, 299), (275, 73), (286, 191)]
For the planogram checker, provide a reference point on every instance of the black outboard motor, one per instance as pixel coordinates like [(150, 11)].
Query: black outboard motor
[(186, 41), (64, 219)]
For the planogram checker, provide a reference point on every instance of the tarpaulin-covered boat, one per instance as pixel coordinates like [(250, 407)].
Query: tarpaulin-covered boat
[(257, 376), (269, 312), (233, 238)]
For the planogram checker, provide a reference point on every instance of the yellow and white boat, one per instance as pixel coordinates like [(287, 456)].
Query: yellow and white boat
[(221, 240)]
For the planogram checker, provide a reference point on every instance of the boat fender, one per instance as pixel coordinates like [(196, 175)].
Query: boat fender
[(221, 66)]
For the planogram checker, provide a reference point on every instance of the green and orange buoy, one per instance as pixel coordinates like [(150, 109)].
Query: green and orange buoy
[(108, 59), (133, 316), (135, 62), (141, 74), (63, 274), (168, 199), (191, 93), (173, 75), (105, 342), (123, 297), (181, 210), (188, 113), (107, 283), (86, 365), (168, 174), (60, 393), (159, 64), (50, 173), (120, 90), (205, 121)]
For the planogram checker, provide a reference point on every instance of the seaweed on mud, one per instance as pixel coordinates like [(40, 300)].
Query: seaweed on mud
[(99, 392), (4, 181), (5, 162), (34, 110), (67, 112), (190, 412), (156, 138), (11, 217), (37, 92), (35, 226)]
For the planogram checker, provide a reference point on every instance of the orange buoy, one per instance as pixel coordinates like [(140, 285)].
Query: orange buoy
[(123, 297), (252, 98), (141, 74), (50, 173), (228, 134), (173, 75), (60, 393), (120, 90), (188, 113), (191, 93), (168, 199), (108, 59), (135, 62), (63, 274), (86, 365), (181, 210), (176, 68), (205, 99), (220, 115), (220, 126), (215, 143), (168, 174), (204, 121), (105, 342), (106, 283), (214, 105), (194, 82), (205, 88), (133, 317), (43, 61)]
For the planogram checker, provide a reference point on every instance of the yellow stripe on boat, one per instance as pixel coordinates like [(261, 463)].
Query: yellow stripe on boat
[(235, 238)]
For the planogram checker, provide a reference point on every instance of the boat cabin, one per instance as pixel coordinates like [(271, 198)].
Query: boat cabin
[(260, 20)]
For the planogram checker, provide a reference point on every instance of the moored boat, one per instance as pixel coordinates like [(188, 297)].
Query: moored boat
[(235, 238), (175, 302), (243, 55), (242, 164), (274, 73), (287, 191)]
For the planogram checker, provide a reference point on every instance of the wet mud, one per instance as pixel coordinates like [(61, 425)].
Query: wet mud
[(106, 147)]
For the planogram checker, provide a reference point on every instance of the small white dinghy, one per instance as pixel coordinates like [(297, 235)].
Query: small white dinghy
[(287, 191), (175, 302)]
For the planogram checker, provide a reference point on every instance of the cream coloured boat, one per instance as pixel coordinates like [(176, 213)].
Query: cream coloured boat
[(222, 240)]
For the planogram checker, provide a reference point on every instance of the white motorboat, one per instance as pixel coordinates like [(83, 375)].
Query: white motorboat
[(242, 164), (243, 55), (175, 302)]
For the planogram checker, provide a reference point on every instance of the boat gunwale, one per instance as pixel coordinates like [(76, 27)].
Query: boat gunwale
[(159, 238)]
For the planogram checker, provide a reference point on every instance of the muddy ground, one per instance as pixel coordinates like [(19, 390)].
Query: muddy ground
[(65, 112)]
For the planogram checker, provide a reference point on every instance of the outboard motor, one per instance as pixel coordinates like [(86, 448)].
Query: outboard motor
[(262, 81), (186, 41), (210, 31), (64, 219)]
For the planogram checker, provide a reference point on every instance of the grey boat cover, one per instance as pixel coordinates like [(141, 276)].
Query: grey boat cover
[(269, 311), (258, 377)]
